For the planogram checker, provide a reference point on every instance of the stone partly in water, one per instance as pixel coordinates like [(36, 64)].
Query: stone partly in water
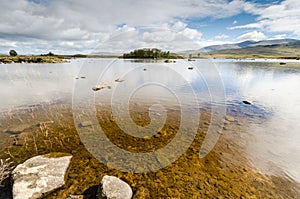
[(39, 175), (169, 61), (119, 80), (100, 87), (113, 188), (247, 102)]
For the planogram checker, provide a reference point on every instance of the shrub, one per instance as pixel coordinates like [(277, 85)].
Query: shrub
[(13, 53)]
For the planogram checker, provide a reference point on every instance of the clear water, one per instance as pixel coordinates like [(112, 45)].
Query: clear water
[(271, 124)]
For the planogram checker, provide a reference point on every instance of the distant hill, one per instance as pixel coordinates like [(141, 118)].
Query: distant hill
[(245, 44), (284, 50)]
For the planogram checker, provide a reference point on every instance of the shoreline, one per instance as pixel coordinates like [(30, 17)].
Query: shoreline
[(65, 58), (31, 59), (244, 56)]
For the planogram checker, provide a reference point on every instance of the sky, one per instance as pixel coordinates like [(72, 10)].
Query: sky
[(96, 26)]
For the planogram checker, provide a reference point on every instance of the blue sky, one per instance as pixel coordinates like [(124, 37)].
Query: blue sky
[(76, 26)]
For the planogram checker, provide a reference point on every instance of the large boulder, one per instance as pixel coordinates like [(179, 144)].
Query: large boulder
[(40, 175), (113, 188)]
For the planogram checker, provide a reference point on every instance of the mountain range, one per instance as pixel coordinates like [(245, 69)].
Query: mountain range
[(276, 48), (246, 44)]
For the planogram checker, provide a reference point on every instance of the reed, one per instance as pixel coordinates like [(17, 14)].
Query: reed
[(6, 167)]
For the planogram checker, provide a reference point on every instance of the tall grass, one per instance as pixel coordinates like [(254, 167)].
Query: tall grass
[(6, 167)]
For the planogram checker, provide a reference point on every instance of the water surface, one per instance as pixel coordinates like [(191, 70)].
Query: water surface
[(270, 126)]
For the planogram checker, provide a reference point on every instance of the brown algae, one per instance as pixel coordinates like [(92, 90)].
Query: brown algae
[(223, 173)]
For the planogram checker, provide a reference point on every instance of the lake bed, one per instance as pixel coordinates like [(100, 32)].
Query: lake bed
[(257, 147)]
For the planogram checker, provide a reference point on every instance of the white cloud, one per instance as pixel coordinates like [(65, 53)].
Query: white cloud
[(163, 37), (281, 36), (76, 26), (254, 35), (192, 34), (234, 22), (179, 26), (85, 22), (221, 36), (281, 18), (204, 43), (159, 36), (247, 26)]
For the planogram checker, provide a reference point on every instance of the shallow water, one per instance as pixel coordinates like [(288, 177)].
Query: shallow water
[(272, 141), (268, 128)]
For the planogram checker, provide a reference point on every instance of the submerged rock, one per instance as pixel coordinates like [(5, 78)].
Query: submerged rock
[(113, 188), (17, 129), (39, 175), (85, 124), (229, 118)]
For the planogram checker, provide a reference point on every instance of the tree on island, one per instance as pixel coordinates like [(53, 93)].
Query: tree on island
[(13, 53), (148, 53), (48, 54)]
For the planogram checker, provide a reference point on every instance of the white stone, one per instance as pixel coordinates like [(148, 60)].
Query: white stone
[(39, 175), (114, 188)]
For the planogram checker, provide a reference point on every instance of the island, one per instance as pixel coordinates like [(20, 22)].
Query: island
[(150, 53), (43, 58)]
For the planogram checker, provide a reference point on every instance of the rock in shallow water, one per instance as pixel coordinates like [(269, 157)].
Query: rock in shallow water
[(17, 129), (39, 175), (229, 118), (113, 188)]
